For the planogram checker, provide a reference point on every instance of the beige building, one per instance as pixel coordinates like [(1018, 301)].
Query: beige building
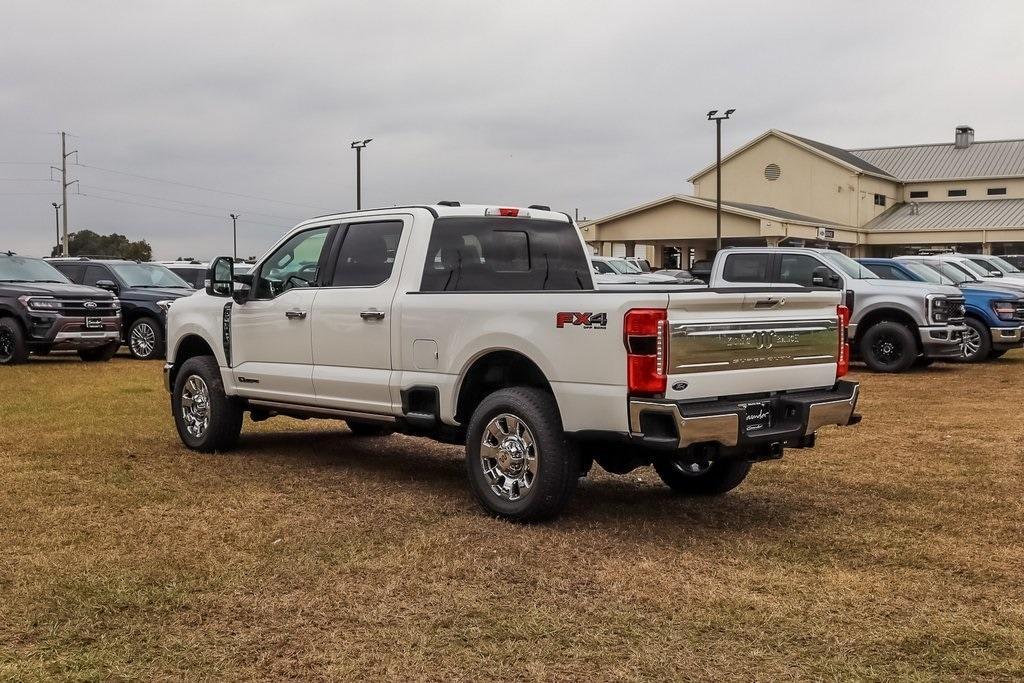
[(781, 188)]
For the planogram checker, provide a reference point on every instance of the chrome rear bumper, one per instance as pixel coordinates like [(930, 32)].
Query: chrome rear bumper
[(795, 415)]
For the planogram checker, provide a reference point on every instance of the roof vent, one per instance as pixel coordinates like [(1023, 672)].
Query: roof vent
[(772, 172), (914, 209), (964, 137)]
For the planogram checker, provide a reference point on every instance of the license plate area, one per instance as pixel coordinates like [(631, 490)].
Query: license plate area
[(758, 416), (94, 323)]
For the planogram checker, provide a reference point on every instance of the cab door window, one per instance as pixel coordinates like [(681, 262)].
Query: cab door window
[(746, 267), (367, 254), (799, 269), (296, 263), (94, 274)]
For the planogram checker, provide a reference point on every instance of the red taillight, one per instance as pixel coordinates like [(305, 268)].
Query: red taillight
[(644, 330), (507, 212), (843, 362)]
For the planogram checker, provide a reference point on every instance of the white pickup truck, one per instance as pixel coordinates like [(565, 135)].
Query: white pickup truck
[(481, 326)]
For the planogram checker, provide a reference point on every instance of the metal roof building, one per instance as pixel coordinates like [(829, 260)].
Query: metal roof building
[(781, 188)]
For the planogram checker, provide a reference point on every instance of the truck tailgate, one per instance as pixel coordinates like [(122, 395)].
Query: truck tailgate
[(723, 343)]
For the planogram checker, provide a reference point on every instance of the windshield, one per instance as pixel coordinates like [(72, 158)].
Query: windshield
[(928, 274), (848, 265), (148, 275), (954, 271), (623, 267), (20, 269), (972, 267), (1004, 265)]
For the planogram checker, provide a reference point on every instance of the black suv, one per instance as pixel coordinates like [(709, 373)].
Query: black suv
[(40, 310), (146, 291)]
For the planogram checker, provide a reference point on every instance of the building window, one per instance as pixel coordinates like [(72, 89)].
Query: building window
[(879, 199), (996, 190), (772, 172), (956, 193), (919, 194)]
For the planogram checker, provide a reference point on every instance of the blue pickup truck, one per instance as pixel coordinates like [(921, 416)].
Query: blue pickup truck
[(995, 316)]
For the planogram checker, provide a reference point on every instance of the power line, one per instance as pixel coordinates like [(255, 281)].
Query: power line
[(167, 208), (29, 180), (25, 163), (204, 189), (178, 201)]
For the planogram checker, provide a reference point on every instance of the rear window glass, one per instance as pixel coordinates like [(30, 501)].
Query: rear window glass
[(746, 268), (474, 254)]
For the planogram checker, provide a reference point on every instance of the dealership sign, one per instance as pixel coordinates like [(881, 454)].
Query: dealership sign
[(826, 234)]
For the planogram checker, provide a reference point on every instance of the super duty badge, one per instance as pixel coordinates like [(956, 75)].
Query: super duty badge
[(588, 321)]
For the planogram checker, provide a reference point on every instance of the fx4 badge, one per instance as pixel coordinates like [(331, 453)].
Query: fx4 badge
[(588, 321)]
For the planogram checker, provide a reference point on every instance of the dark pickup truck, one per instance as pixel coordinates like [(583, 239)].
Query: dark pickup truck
[(41, 311)]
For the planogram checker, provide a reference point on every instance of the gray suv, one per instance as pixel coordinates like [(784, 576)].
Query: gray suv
[(893, 324)]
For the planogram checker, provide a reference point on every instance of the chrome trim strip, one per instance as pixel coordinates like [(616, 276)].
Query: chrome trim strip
[(329, 412), (746, 345), (98, 335)]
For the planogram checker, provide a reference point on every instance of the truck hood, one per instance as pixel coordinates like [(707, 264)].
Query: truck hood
[(57, 289), (909, 287)]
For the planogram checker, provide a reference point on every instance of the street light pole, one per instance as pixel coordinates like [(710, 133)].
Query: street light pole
[(234, 235), (56, 218), (713, 115), (358, 147)]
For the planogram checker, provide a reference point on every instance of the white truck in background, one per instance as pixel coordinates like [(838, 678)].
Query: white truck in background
[(481, 326)]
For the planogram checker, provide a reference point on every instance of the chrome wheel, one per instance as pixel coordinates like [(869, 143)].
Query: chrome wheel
[(970, 343), (693, 469), (509, 454), (195, 406), (143, 340)]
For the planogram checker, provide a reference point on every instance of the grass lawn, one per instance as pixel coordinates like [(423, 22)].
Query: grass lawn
[(894, 550)]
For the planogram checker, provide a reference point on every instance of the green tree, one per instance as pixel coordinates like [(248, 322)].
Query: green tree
[(89, 243)]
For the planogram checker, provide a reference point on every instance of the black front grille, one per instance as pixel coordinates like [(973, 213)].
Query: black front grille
[(1019, 310), (957, 309), (81, 307)]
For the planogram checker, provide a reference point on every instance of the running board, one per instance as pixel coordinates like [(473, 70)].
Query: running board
[(298, 409)]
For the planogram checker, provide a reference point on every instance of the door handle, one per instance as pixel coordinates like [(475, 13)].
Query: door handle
[(372, 315), (295, 315), (769, 303)]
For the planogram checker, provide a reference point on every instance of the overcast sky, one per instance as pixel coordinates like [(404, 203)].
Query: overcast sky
[(588, 104)]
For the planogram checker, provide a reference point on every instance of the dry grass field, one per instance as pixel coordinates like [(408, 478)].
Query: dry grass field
[(895, 550)]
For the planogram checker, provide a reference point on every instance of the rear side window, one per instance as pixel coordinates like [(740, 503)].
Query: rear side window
[(73, 272), (746, 268), (94, 274), (473, 254), (367, 254)]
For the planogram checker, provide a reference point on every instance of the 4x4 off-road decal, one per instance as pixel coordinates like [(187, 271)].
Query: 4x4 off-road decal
[(588, 321)]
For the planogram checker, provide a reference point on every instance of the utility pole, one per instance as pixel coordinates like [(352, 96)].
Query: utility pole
[(234, 235), (358, 147), (56, 219), (718, 172), (64, 185)]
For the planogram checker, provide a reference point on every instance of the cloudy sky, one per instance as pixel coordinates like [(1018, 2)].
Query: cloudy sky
[(249, 107)]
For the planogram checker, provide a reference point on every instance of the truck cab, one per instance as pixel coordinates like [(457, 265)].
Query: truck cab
[(893, 324)]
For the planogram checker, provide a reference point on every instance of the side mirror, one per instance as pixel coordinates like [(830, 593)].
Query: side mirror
[(108, 285), (995, 273), (823, 277), (220, 277)]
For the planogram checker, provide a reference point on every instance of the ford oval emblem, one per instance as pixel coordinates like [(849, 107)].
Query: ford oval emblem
[(679, 386), (90, 304)]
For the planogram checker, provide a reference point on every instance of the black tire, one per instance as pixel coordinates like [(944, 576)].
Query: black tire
[(13, 349), (99, 354), (888, 347), (369, 428), (146, 339), (224, 413), (980, 340), (556, 459), (997, 354), (716, 479)]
